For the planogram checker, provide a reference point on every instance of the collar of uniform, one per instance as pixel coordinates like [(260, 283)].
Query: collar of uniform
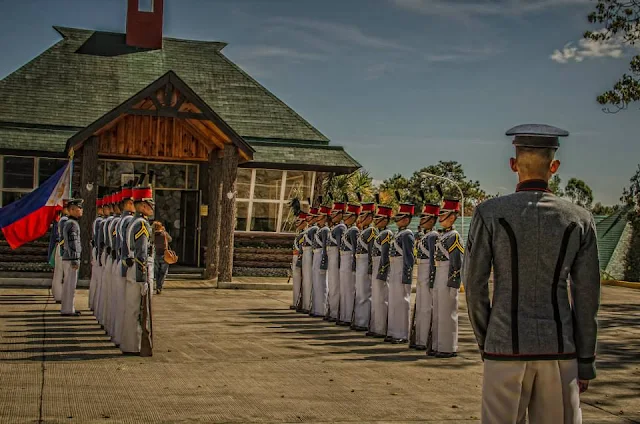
[(73, 217), (446, 230), (127, 213), (533, 185)]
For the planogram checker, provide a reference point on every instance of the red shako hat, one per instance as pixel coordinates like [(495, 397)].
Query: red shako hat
[(369, 207), (143, 194), (313, 211), (339, 206), (431, 209), (385, 211), (126, 194), (325, 210), (302, 215), (450, 205), (406, 209), (353, 209), (98, 202)]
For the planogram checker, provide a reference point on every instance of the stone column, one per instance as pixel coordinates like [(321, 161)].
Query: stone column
[(214, 184), (227, 212), (88, 191)]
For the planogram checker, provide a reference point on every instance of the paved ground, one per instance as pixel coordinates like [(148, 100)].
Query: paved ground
[(243, 356)]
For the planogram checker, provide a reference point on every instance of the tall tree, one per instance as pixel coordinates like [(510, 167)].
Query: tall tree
[(554, 185), (426, 179), (348, 185), (579, 193), (621, 20)]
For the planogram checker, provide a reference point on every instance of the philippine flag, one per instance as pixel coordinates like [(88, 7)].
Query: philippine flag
[(29, 218)]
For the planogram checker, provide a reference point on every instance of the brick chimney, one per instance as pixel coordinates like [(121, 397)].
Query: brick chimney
[(144, 28)]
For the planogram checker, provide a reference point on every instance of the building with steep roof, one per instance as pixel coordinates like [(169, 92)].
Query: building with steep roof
[(138, 102)]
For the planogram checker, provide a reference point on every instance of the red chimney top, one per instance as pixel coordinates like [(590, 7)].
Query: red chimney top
[(144, 28)]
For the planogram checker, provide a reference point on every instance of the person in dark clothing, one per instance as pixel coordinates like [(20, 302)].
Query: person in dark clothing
[(161, 242)]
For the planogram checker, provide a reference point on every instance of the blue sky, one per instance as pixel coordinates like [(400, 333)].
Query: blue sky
[(402, 83)]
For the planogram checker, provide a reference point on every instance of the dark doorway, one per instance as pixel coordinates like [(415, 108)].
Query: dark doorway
[(189, 245)]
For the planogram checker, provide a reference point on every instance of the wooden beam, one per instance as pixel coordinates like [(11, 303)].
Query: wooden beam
[(227, 212), (214, 188), (88, 178), (158, 158), (168, 113), (203, 137)]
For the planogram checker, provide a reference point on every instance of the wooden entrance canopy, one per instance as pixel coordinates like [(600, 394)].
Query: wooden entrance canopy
[(167, 121)]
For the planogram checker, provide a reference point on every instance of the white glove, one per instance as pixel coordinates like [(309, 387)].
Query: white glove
[(144, 289)]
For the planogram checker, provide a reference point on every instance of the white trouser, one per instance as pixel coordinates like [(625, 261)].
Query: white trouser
[(547, 390), (118, 301), (296, 274), (362, 311), (69, 288), (379, 301), (445, 311), (94, 279), (307, 277), (347, 286), (333, 278), (99, 301), (58, 275), (424, 304), (131, 328), (399, 301), (106, 300), (319, 285)]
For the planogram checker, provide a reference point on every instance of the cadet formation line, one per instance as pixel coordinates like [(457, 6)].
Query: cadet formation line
[(537, 333), (122, 265)]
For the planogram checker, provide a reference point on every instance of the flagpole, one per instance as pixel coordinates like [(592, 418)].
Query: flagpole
[(70, 170)]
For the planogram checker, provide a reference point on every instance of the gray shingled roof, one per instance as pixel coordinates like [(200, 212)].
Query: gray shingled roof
[(320, 158), (33, 139), (62, 87)]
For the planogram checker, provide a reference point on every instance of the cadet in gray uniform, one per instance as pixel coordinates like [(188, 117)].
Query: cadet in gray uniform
[(333, 255), (401, 276), (137, 319), (95, 269), (380, 272), (102, 257), (538, 343), (58, 271), (115, 268), (348, 265), (107, 263), (296, 263), (447, 266), (362, 310), (125, 273), (71, 257), (319, 297), (307, 260), (426, 276)]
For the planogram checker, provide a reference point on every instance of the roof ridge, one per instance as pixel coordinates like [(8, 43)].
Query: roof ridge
[(270, 94)]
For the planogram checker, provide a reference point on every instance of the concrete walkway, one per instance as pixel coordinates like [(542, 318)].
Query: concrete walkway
[(243, 356)]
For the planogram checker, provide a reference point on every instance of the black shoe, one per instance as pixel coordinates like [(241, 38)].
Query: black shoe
[(388, 339), (293, 308), (446, 355), (75, 314), (420, 347), (130, 353), (59, 302), (413, 346), (331, 319), (432, 353), (399, 341), (370, 334), (360, 328)]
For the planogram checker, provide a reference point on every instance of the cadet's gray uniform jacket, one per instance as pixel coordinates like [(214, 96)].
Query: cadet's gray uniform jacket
[(448, 248), (320, 242), (297, 247), (365, 244), (123, 243), (63, 220), (94, 235), (403, 245), (426, 252), (535, 241), (349, 243), (139, 245), (71, 237), (381, 248)]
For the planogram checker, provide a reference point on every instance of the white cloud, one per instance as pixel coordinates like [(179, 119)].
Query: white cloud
[(469, 8), (266, 51), (342, 33), (615, 47)]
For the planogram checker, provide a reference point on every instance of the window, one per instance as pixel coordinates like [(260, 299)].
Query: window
[(264, 196), (11, 196), (169, 176), (264, 217), (243, 183), (48, 167), (145, 5), (17, 172), (267, 184)]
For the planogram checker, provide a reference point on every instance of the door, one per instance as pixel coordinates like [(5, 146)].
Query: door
[(189, 229)]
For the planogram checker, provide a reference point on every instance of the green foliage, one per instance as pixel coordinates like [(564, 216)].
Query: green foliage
[(600, 209), (621, 20), (554, 185), (340, 186), (424, 180), (579, 193)]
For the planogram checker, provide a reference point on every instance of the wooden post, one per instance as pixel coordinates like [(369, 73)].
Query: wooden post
[(227, 212), (320, 177), (214, 185), (203, 186), (88, 191)]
